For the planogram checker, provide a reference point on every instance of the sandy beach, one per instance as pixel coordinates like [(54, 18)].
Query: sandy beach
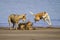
[(40, 34)]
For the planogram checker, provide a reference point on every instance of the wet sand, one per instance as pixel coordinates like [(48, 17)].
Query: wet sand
[(41, 34)]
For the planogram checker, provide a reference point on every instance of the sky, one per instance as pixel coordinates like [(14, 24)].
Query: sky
[(8, 7)]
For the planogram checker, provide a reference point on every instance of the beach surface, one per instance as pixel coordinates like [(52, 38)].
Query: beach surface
[(40, 34)]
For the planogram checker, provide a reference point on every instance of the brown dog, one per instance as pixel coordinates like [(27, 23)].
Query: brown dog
[(42, 15), (25, 26), (14, 19)]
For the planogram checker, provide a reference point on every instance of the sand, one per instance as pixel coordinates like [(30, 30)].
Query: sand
[(41, 34)]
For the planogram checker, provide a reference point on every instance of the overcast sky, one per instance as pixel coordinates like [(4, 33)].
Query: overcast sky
[(8, 7)]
